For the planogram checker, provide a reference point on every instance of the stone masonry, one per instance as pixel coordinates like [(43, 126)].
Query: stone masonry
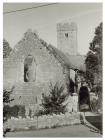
[(67, 37), (46, 69)]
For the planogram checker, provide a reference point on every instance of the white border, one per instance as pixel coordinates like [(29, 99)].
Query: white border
[(1, 70), (1, 54), (29, 1)]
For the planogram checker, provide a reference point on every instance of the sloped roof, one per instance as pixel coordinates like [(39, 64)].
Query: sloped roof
[(71, 61), (77, 61)]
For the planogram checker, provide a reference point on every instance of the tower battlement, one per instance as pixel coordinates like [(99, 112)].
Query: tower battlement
[(67, 26)]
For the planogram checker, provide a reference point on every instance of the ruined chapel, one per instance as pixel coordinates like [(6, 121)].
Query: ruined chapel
[(33, 65)]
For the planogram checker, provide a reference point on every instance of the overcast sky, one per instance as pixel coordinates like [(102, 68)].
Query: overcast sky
[(44, 20)]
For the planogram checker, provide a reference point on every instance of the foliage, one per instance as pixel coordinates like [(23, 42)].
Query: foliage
[(6, 100), (94, 62), (94, 57), (6, 112), (9, 111), (22, 111), (94, 105), (14, 111), (6, 95), (40, 113), (52, 103), (6, 49)]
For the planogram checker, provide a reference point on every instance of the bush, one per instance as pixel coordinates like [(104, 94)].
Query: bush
[(52, 103), (6, 101), (21, 111), (6, 113), (97, 89), (40, 113), (14, 111), (94, 105), (6, 108)]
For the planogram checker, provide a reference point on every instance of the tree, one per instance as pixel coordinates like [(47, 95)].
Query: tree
[(52, 103), (94, 57), (6, 100), (94, 62), (6, 49), (6, 109)]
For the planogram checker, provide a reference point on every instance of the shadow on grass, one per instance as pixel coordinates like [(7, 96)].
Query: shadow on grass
[(95, 121)]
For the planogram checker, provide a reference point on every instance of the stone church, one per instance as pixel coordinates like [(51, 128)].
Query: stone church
[(32, 65)]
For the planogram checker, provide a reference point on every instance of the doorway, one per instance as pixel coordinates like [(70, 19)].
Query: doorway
[(84, 99)]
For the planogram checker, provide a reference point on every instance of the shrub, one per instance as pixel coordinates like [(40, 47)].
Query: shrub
[(94, 105), (6, 113), (21, 111), (52, 103), (97, 89), (6, 108), (6, 101), (14, 111), (40, 113)]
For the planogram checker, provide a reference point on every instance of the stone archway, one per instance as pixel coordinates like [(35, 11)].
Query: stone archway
[(84, 99), (29, 69)]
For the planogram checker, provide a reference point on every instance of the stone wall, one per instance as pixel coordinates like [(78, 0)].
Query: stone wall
[(67, 37), (48, 70), (45, 121)]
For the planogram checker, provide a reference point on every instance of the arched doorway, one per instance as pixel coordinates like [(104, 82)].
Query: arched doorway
[(84, 99), (29, 69)]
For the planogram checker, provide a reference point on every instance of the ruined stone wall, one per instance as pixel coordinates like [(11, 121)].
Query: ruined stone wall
[(12, 72), (48, 69)]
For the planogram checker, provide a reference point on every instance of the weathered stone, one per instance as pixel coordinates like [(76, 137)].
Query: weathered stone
[(43, 69), (67, 37)]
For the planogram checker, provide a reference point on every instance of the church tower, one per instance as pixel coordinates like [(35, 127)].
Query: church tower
[(67, 37)]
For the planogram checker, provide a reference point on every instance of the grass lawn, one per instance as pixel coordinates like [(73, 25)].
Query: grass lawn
[(95, 120)]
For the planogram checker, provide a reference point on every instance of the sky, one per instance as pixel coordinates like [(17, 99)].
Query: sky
[(87, 16)]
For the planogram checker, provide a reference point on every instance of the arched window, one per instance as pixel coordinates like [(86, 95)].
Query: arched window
[(29, 69), (66, 35)]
